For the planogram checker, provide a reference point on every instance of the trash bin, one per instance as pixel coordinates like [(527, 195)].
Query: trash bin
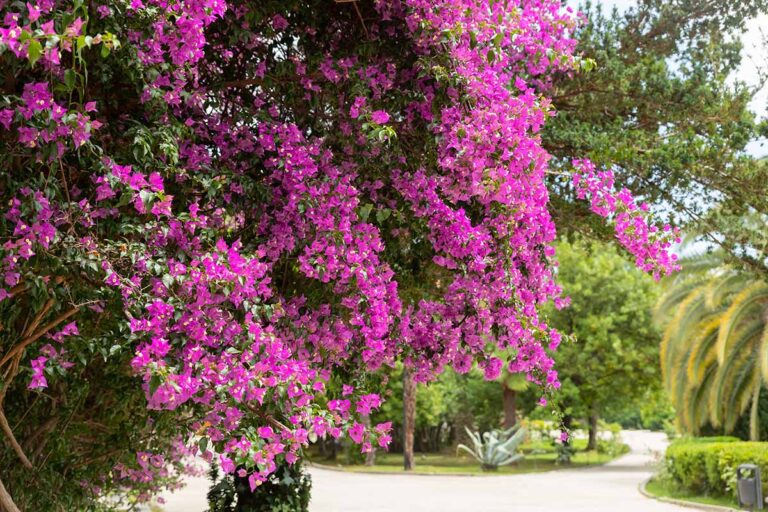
[(749, 487)]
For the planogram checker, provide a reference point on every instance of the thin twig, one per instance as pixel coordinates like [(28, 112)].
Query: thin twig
[(39, 317), (357, 10), (31, 339)]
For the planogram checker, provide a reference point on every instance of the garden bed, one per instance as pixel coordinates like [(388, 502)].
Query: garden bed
[(538, 458)]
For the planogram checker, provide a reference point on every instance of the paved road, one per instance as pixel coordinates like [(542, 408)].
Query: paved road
[(609, 488), (612, 487)]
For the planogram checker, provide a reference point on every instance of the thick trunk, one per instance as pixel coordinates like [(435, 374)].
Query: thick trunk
[(754, 416), (409, 418), (370, 457), (510, 406), (593, 417)]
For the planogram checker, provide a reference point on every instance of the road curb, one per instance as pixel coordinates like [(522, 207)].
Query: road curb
[(688, 504)]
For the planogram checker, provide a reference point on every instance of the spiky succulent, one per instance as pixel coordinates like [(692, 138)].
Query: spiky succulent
[(495, 448)]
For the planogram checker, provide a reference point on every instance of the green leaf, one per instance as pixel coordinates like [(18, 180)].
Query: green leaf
[(382, 215), (365, 211), (146, 197), (34, 51), (70, 76), (154, 382), (203, 444)]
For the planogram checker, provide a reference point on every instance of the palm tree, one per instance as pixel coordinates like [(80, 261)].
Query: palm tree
[(714, 354)]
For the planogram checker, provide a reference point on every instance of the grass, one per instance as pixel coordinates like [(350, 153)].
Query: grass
[(661, 489), (538, 458)]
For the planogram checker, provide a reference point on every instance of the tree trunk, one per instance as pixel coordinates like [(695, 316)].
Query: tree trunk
[(510, 406), (370, 457), (409, 418), (593, 417), (754, 416)]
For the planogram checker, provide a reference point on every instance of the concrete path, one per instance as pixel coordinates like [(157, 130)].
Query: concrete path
[(609, 488), (612, 487)]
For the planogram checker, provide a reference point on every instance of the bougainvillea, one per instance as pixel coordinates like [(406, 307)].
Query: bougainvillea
[(270, 199)]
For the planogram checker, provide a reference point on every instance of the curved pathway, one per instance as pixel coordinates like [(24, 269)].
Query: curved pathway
[(612, 487)]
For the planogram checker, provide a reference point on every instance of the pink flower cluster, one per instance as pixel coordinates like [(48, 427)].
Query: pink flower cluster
[(647, 243), (45, 122), (49, 354)]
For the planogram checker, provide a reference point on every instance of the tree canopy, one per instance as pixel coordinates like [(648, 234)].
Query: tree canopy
[(663, 110), (613, 361)]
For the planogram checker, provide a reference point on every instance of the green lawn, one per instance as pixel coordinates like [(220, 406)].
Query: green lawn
[(445, 463), (661, 489)]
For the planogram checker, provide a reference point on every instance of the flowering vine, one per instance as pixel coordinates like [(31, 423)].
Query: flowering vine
[(265, 208)]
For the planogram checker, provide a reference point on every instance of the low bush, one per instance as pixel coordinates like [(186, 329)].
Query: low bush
[(287, 490), (708, 465)]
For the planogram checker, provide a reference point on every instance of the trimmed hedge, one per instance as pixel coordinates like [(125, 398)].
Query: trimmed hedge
[(708, 465)]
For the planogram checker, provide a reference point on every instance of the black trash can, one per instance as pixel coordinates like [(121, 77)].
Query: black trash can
[(749, 487)]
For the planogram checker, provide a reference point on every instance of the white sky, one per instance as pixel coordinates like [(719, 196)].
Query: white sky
[(754, 55)]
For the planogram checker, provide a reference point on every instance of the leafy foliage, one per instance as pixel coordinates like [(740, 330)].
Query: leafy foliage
[(287, 490), (613, 361), (708, 466), (661, 108)]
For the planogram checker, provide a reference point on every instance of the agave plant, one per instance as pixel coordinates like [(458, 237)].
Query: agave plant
[(495, 448)]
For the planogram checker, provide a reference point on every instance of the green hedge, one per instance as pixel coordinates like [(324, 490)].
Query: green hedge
[(708, 465)]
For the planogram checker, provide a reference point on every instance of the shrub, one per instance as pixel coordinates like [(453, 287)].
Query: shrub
[(609, 439), (708, 465), (286, 490)]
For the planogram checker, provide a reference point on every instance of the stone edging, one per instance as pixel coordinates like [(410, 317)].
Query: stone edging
[(682, 503)]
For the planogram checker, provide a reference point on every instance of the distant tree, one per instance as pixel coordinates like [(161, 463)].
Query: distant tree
[(615, 353), (511, 385), (409, 419), (662, 110)]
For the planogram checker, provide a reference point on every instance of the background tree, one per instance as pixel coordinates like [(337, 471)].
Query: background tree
[(511, 385), (662, 109), (409, 419), (614, 356)]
